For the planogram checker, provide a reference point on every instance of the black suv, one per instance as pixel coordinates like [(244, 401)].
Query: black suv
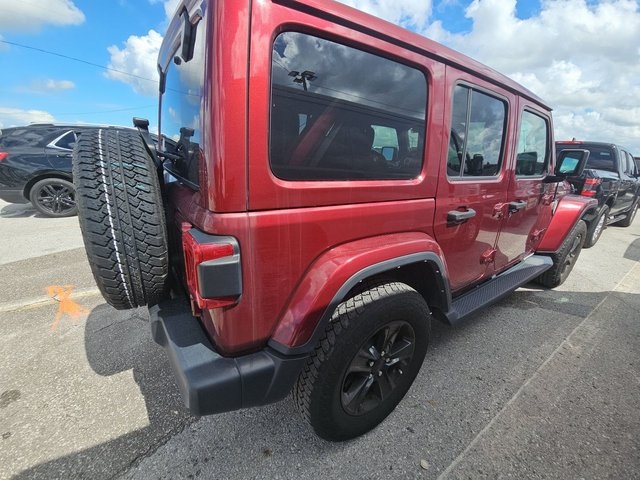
[(35, 166), (611, 177)]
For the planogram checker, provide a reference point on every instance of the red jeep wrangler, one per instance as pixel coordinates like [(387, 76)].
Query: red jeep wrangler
[(325, 184)]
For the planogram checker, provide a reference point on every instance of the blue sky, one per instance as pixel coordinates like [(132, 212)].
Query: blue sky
[(69, 90), (581, 56)]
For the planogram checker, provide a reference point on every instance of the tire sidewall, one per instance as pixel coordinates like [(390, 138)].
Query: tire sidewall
[(592, 238), (563, 273)]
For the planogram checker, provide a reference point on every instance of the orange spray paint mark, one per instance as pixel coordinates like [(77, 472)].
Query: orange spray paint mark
[(66, 306)]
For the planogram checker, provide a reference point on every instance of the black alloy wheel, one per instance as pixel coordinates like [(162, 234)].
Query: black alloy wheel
[(377, 367), (54, 197)]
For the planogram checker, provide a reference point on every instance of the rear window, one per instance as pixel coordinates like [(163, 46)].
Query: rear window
[(601, 157), (25, 136), (339, 113)]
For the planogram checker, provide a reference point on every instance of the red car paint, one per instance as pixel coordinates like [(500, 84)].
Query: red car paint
[(300, 241)]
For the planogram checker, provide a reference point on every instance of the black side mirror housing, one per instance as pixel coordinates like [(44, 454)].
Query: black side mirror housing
[(569, 163)]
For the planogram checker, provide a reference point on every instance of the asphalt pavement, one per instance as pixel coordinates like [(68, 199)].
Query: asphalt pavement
[(543, 384)]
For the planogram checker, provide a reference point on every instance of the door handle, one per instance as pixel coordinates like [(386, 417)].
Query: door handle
[(456, 217), (517, 205)]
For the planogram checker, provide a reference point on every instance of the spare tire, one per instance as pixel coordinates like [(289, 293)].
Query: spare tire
[(121, 216)]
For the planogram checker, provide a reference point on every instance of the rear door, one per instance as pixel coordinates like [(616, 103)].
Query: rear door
[(628, 182), (529, 200), (472, 187)]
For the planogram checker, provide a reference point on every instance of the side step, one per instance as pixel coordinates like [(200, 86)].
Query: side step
[(616, 218), (497, 288)]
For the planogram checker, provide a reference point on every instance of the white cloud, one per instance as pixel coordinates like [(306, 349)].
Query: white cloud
[(11, 117), (48, 86), (408, 13), (170, 7), (31, 15), (582, 58), (138, 57)]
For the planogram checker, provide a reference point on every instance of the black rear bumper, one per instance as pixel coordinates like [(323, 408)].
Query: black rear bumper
[(209, 382)]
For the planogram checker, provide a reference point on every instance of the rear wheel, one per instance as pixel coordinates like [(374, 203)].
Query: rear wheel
[(565, 259), (121, 217), (596, 227), (54, 197), (364, 365)]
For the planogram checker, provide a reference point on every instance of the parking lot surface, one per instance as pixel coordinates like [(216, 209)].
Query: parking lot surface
[(544, 384)]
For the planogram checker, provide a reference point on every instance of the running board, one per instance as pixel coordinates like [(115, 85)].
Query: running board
[(497, 288)]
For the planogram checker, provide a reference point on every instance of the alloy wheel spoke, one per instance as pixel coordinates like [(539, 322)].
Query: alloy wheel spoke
[(401, 350), (391, 334), (361, 362), (356, 393), (385, 384), (51, 191)]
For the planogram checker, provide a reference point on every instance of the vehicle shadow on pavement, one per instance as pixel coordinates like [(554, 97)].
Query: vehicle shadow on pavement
[(506, 342), (633, 250), (19, 210), (117, 342)]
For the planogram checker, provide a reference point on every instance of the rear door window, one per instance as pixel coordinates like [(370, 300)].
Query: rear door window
[(476, 139), (340, 113)]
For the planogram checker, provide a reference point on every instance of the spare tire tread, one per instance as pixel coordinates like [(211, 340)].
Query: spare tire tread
[(121, 217)]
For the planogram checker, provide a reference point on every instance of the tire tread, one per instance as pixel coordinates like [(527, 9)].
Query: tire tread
[(125, 235)]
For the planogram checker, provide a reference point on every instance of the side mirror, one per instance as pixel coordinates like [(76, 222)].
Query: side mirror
[(569, 163)]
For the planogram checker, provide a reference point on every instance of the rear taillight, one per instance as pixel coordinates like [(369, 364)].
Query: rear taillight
[(3, 155), (590, 187), (212, 269)]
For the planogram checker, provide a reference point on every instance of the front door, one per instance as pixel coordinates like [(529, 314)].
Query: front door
[(529, 200)]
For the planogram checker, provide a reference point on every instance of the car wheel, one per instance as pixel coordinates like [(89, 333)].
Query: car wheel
[(121, 217), (596, 227), (631, 214), (565, 259), (54, 197), (369, 356)]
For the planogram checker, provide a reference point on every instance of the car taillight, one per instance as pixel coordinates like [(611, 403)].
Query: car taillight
[(3, 155), (212, 269), (590, 187)]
